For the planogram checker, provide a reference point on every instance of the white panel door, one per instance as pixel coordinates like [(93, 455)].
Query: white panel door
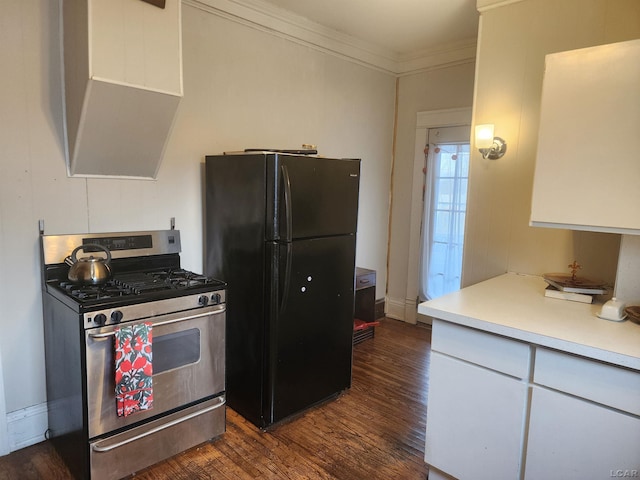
[(570, 438), (475, 420)]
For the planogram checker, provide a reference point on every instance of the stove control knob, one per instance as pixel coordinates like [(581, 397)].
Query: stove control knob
[(215, 298), (203, 300), (116, 316), (100, 319)]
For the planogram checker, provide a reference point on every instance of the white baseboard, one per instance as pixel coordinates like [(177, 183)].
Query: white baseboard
[(394, 308), (401, 309), (4, 432), (410, 311), (27, 426), (4, 437)]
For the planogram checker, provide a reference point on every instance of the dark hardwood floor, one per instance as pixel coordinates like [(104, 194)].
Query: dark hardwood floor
[(373, 431)]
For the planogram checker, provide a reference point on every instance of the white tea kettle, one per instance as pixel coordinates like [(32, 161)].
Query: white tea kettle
[(89, 270)]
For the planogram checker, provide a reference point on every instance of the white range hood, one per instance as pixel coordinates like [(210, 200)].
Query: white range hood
[(123, 85)]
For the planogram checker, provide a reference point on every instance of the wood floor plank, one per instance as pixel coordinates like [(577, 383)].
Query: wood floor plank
[(375, 430)]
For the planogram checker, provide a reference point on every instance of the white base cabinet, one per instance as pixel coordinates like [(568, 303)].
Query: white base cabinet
[(571, 438), (475, 420), (501, 408)]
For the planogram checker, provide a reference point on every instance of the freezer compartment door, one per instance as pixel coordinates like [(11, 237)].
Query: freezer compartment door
[(311, 326), (312, 197)]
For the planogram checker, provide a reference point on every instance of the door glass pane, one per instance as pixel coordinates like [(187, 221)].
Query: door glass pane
[(445, 213)]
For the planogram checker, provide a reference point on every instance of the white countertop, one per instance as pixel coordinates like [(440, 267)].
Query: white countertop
[(514, 305)]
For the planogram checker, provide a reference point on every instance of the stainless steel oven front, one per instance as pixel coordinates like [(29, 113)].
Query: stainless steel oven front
[(186, 312), (188, 364)]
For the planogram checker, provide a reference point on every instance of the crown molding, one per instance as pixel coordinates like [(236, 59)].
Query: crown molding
[(267, 18), (444, 56), (484, 5)]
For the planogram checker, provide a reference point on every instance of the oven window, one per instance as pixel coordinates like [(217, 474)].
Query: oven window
[(176, 350)]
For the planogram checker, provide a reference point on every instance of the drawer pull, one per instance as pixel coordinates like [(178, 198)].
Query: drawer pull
[(108, 448)]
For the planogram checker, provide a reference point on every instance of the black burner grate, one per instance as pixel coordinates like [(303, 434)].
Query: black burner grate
[(138, 283)]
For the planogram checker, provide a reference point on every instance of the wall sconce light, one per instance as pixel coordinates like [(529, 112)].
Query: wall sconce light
[(489, 146)]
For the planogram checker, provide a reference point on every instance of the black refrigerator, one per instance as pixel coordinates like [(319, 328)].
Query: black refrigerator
[(280, 229)]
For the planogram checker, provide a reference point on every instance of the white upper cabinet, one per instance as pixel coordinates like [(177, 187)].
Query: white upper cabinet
[(123, 84), (587, 174)]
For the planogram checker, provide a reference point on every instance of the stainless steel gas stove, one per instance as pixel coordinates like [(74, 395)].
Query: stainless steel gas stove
[(147, 288)]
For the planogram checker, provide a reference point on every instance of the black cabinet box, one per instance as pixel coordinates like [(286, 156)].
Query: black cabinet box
[(365, 305)]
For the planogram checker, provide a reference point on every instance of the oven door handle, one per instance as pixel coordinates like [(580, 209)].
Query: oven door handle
[(108, 448), (219, 309)]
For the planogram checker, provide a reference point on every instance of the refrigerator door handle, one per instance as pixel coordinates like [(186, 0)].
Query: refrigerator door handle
[(287, 201), (287, 277)]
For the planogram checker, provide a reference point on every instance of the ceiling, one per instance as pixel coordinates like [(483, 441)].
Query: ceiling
[(404, 27)]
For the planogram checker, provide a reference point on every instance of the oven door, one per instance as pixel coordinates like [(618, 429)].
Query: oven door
[(188, 366)]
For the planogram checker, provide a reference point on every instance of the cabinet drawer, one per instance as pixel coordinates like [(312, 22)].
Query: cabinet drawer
[(365, 278), (111, 458), (491, 351), (600, 382)]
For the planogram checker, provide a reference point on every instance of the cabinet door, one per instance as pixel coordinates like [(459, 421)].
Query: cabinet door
[(475, 420), (588, 95), (570, 438)]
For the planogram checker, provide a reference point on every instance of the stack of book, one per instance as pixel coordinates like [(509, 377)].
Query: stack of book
[(575, 289)]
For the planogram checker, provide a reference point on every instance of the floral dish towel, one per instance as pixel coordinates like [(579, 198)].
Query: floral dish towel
[(134, 368)]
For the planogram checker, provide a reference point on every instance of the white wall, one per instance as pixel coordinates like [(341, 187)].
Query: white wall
[(33, 185), (514, 36), (242, 88), (245, 88), (437, 89), (513, 40)]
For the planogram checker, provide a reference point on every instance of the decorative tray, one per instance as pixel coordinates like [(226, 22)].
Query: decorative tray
[(571, 283), (633, 313)]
